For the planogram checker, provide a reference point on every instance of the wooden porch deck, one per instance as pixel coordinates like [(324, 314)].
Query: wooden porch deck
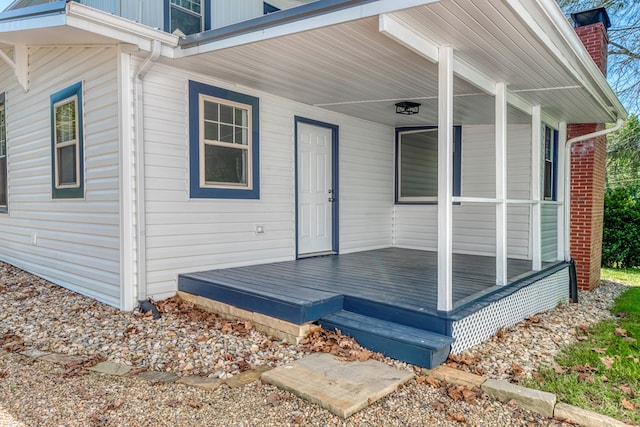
[(400, 277), (367, 294)]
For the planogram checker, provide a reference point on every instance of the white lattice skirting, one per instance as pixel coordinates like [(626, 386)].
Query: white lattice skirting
[(540, 296)]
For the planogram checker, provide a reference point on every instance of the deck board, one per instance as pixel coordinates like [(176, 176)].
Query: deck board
[(401, 277)]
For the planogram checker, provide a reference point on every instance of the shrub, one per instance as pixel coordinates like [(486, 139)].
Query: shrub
[(621, 234)]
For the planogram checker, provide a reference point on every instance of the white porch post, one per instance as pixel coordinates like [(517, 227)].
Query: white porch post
[(501, 183), (536, 208), (560, 188), (445, 178)]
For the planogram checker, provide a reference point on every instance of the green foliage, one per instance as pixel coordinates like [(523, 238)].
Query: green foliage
[(621, 234), (602, 371), (623, 156)]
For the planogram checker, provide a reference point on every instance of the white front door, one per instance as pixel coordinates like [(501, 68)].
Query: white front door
[(315, 195)]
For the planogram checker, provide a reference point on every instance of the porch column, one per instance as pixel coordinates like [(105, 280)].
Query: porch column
[(560, 186), (536, 208), (445, 178), (501, 184)]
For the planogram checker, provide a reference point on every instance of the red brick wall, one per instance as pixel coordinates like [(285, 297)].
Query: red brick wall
[(588, 167), (594, 38)]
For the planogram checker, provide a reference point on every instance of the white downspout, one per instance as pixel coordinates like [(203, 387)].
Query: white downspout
[(141, 231), (567, 181)]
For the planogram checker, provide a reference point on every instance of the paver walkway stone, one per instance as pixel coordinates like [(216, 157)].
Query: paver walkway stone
[(110, 368), (246, 377), (158, 377), (340, 387)]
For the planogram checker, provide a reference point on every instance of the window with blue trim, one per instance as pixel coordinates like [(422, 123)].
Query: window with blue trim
[(188, 16), (4, 187), (67, 150), (417, 164), (224, 142), (550, 162)]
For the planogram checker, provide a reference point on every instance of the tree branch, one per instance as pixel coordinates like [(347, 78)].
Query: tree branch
[(623, 51)]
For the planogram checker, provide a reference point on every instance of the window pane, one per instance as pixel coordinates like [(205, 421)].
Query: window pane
[(241, 136), (185, 21), (67, 165), (226, 133), (66, 122), (226, 114), (548, 180), (211, 111), (226, 165), (211, 131), (241, 117), (419, 164), (193, 5)]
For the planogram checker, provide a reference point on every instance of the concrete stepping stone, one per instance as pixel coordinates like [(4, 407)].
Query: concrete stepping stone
[(63, 359), (246, 377), (158, 377), (209, 384), (110, 368), (34, 353), (342, 388)]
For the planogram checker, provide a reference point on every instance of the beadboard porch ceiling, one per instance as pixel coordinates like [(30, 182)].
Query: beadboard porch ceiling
[(354, 68)]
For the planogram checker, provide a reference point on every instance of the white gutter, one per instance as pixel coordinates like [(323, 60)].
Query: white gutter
[(141, 228), (567, 181)]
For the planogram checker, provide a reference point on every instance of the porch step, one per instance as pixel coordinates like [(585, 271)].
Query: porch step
[(413, 345), (280, 300)]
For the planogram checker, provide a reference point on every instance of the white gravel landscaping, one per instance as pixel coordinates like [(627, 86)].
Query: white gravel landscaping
[(38, 315)]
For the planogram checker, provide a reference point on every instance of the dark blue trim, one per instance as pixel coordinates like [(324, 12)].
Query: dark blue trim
[(5, 209), (55, 8), (195, 89), (457, 162), (554, 189), (282, 17), (206, 12), (68, 193), (335, 211), (268, 8)]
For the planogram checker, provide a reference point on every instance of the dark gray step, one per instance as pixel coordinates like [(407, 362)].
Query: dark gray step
[(280, 301), (413, 345)]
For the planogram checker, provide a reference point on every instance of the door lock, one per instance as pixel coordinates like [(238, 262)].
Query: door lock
[(331, 199)]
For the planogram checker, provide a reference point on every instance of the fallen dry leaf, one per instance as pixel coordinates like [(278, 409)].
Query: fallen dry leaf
[(599, 350), (273, 399), (516, 369), (607, 361), (194, 404), (455, 392), (456, 416), (559, 369), (628, 405), (438, 406), (620, 332), (626, 389), (586, 377), (629, 339), (469, 396)]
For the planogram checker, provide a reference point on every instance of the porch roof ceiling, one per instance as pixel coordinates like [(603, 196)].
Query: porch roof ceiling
[(346, 64), (354, 68)]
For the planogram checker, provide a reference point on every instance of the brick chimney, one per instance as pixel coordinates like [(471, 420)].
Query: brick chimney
[(588, 163)]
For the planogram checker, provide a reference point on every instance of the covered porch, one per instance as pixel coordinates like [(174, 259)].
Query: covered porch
[(392, 288)]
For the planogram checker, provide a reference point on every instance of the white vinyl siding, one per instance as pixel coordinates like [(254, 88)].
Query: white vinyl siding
[(473, 223), (227, 12), (72, 242), (549, 232), (185, 235)]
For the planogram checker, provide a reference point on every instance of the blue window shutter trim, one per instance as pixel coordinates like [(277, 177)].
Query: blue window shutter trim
[(197, 192), (77, 192), (554, 188), (206, 9), (167, 20)]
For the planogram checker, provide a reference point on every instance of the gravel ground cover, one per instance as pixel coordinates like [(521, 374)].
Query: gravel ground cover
[(38, 315)]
